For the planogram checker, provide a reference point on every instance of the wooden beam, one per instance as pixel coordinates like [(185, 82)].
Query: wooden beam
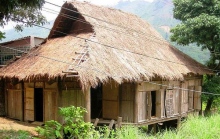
[(68, 76), (81, 53), (72, 72), (88, 105)]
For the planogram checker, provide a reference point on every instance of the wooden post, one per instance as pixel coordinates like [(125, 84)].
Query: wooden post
[(96, 122), (22, 100), (88, 105), (6, 97), (111, 124), (180, 99), (136, 103), (119, 121), (179, 122)]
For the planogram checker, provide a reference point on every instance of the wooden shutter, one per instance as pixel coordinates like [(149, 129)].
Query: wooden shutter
[(169, 103), (190, 95), (197, 98), (15, 104), (159, 103), (29, 104), (127, 102), (49, 104), (110, 103)]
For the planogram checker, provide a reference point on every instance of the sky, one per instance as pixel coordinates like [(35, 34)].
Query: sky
[(50, 16)]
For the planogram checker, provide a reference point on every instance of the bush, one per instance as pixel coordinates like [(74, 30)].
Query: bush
[(73, 126)]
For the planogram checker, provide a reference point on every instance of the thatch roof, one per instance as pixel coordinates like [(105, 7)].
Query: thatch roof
[(102, 62)]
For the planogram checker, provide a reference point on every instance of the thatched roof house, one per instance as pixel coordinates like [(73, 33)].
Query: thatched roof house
[(121, 33), (98, 46)]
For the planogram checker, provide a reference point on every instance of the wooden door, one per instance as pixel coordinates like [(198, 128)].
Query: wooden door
[(190, 95), (110, 101), (15, 104), (50, 107), (169, 103), (127, 102), (149, 104), (160, 103), (11, 104), (29, 104), (197, 98)]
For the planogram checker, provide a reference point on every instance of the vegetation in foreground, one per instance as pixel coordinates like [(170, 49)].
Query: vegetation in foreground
[(75, 127), (12, 134)]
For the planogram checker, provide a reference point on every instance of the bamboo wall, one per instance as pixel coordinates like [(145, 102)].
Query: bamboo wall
[(21, 99)]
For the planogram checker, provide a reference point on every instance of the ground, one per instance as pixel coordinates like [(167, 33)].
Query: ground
[(9, 124)]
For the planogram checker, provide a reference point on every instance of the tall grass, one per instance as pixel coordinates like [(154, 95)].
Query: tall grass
[(192, 128)]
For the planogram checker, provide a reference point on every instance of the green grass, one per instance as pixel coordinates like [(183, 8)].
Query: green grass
[(12, 134), (192, 128)]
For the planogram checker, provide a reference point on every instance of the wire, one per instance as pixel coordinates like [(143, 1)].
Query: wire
[(151, 37), (123, 27), (184, 89), (107, 74), (110, 29), (128, 50)]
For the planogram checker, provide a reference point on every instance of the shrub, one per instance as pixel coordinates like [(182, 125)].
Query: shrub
[(73, 126)]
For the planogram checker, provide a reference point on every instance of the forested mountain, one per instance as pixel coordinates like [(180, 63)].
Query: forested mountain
[(158, 13)]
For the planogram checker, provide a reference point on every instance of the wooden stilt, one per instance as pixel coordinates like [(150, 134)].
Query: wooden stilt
[(178, 122)]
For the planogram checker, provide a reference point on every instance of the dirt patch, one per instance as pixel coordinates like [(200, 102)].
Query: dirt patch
[(9, 124)]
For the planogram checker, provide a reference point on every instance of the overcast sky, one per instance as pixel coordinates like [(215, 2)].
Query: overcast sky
[(50, 16)]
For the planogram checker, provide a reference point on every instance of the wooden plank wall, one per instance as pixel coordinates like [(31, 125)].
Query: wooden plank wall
[(14, 101), (144, 97), (15, 110), (50, 107), (73, 97), (110, 100), (127, 102)]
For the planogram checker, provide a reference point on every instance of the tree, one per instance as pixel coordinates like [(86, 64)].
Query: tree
[(200, 25), (23, 12)]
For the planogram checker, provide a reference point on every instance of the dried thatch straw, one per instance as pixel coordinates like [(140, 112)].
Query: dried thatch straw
[(103, 62)]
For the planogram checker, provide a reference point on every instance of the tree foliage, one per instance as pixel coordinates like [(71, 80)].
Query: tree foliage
[(200, 25), (23, 12)]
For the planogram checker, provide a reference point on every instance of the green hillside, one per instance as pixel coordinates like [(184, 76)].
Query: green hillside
[(160, 15)]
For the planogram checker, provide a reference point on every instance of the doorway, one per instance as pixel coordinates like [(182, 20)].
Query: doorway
[(38, 104), (153, 100), (96, 102)]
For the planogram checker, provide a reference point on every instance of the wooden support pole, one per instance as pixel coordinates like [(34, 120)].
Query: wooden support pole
[(179, 122), (136, 103), (88, 105), (119, 121), (111, 124), (180, 100)]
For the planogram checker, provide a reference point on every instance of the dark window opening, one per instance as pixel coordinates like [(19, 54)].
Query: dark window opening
[(38, 104), (96, 102), (153, 100)]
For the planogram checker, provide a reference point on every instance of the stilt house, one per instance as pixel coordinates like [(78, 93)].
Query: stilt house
[(111, 62)]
